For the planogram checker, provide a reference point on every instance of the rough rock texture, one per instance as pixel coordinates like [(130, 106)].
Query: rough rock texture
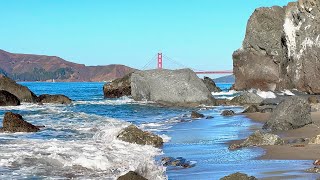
[(118, 88), (57, 99), (15, 123), (211, 85), (170, 87), (247, 98), (132, 134), (22, 92), (251, 109), (228, 113), (180, 161), (281, 49), (292, 113), (238, 176), (315, 140), (195, 115), (259, 139), (131, 175), (313, 100), (8, 99)]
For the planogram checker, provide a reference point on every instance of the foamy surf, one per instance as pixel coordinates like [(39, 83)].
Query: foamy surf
[(73, 145)]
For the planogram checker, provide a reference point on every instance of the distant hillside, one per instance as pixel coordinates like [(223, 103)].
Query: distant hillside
[(225, 79), (27, 67)]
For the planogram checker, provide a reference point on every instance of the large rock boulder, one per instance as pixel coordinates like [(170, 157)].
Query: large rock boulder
[(211, 85), (292, 113), (247, 98), (132, 134), (281, 49), (196, 115), (170, 87), (259, 139), (8, 99), (238, 176), (131, 175), (56, 99), (118, 88), (22, 92), (14, 123)]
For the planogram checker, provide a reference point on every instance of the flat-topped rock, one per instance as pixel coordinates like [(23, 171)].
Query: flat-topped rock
[(56, 99)]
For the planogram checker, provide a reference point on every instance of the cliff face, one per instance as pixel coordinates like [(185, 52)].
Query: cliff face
[(25, 67), (281, 49)]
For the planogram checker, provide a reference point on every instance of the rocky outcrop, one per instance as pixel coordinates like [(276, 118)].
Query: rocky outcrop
[(251, 109), (22, 92), (8, 99), (212, 87), (118, 88), (131, 175), (196, 115), (14, 123), (177, 162), (259, 139), (132, 134), (238, 176), (56, 99), (281, 49), (292, 113), (170, 87), (247, 98), (228, 113)]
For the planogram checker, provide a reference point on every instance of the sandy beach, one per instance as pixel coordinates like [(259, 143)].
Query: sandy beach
[(292, 151)]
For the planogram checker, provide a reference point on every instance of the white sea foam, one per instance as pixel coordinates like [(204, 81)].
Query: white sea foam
[(266, 94), (286, 93), (78, 145), (225, 94)]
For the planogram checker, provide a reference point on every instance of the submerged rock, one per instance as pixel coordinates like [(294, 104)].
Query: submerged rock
[(58, 99), (259, 139), (180, 161), (131, 175), (228, 113), (292, 113), (170, 87), (238, 176), (118, 88), (196, 115), (132, 134), (313, 170), (14, 123), (8, 99), (247, 98), (211, 85), (21, 92)]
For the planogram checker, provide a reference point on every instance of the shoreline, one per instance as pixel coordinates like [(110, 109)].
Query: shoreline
[(292, 151)]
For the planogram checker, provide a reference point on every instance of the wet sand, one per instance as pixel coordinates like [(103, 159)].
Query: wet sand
[(297, 151)]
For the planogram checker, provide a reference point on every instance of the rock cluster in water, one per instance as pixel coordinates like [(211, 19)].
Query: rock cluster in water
[(281, 49), (238, 176), (167, 87)]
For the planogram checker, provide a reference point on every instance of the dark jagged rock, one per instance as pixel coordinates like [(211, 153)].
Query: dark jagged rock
[(8, 99), (281, 49), (228, 113), (171, 87), (22, 92), (211, 85), (180, 161), (292, 113), (196, 115), (132, 134), (57, 99), (251, 109), (238, 176), (259, 139), (14, 123), (118, 88), (131, 175), (247, 98)]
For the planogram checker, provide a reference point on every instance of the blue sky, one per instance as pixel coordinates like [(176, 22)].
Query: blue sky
[(201, 34)]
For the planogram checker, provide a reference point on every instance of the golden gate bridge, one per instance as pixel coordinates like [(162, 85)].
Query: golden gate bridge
[(160, 59)]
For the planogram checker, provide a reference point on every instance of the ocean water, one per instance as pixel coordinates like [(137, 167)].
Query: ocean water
[(79, 140)]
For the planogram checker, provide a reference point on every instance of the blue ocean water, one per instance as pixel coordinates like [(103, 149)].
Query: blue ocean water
[(79, 140)]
